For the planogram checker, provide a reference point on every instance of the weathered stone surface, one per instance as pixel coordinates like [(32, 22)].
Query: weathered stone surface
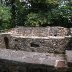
[(41, 49), (41, 31), (69, 55), (21, 61), (14, 67), (38, 39), (50, 45), (14, 61), (30, 57)]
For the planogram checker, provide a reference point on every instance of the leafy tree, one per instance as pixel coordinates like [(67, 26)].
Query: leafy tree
[(62, 15), (21, 12), (5, 17), (38, 13)]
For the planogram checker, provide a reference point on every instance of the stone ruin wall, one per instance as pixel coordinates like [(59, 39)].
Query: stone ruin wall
[(21, 38), (37, 39), (41, 31), (2, 41), (10, 66)]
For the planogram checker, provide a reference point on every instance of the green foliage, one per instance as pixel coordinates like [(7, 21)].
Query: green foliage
[(20, 13), (62, 15), (36, 13), (43, 5), (40, 12), (38, 19), (45, 1), (5, 17), (35, 19), (49, 12)]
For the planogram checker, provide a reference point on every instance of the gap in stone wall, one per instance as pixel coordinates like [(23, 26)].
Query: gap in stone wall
[(34, 45), (6, 40)]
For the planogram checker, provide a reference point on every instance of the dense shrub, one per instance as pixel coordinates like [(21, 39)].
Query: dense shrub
[(38, 19), (49, 12), (21, 13), (37, 13), (5, 17), (62, 15)]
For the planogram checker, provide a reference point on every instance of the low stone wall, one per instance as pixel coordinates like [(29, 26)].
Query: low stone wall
[(37, 39), (2, 40), (41, 31), (21, 61), (10, 66), (43, 40), (41, 45)]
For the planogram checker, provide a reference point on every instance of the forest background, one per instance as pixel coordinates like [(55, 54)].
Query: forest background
[(35, 13)]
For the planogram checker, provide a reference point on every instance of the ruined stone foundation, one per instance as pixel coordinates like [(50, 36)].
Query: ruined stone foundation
[(40, 49)]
